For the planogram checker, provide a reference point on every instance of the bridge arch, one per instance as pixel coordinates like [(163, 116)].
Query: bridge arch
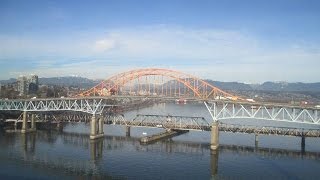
[(196, 87)]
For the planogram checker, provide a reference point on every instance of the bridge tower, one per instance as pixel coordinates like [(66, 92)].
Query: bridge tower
[(96, 124)]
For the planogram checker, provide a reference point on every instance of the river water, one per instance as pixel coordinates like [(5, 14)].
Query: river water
[(71, 155)]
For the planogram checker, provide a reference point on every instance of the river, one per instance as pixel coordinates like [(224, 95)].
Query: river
[(71, 155)]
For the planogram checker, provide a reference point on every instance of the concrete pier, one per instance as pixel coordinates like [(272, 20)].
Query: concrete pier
[(162, 135), (101, 120), (59, 126), (33, 123), (128, 128), (24, 127), (256, 140), (96, 127), (214, 145)]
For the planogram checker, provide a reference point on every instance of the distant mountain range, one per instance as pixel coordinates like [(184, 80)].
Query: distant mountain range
[(69, 81), (267, 86), (62, 81)]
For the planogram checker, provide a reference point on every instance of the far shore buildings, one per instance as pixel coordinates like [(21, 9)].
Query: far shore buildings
[(27, 85)]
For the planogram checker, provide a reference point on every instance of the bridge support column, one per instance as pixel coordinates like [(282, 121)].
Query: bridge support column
[(256, 140), (24, 128), (33, 123), (96, 128), (128, 128), (214, 136), (101, 122), (59, 126)]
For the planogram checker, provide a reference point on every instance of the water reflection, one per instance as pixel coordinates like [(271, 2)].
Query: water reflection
[(214, 154), (96, 149), (113, 156), (28, 144)]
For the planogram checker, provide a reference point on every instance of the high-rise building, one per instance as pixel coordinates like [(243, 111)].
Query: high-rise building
[(22, 85), (27, 85), (33, 84)]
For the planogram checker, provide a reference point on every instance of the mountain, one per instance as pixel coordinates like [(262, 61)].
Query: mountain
[(230, 85), (284, 86), (11, 80), (62, 81), (236, 86), (69, 81), (268, 86)]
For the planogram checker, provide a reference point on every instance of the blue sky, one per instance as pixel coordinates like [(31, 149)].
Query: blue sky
[(245, 41)]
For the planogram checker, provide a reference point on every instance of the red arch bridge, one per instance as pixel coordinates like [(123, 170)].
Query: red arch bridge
[(165, 85)]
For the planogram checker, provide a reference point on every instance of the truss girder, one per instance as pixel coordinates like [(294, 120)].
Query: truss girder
[(230, 110), (269, 130), (163, 121), (87, 105)]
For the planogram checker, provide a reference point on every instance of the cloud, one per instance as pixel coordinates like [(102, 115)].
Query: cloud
[(227, 55), (104, 45), (176, 43)]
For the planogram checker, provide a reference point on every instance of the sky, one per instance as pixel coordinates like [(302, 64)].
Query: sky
[(230, 40)]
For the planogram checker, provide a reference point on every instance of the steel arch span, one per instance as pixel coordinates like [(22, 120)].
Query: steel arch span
[(158, 82)]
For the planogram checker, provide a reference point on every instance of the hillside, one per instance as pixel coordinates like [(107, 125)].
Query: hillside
[(235, 86)]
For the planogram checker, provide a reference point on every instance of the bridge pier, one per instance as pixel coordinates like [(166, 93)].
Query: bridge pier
[(33, 123), (96, 127), (59, 126), (128, 129), (214, 145), (25, 127), (101, 122), (256, 140)]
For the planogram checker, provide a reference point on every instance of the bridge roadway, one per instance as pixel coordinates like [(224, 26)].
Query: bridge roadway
[(86, 104), (218, 109), (173, 122), (200, 124)]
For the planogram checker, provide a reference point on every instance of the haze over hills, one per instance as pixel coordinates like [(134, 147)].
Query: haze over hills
[(266, 86)]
